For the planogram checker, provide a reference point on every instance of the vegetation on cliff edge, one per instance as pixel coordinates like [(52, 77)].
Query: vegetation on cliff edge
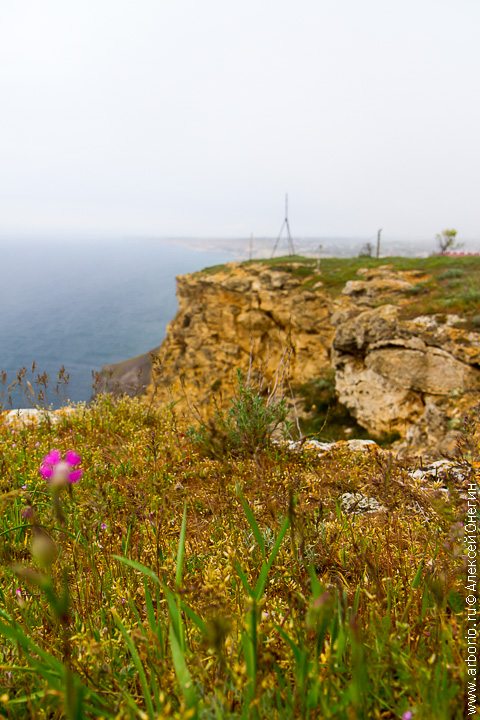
[(451, 284)]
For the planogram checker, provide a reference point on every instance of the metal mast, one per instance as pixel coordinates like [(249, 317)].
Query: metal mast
[(379, 234), (285, 226)]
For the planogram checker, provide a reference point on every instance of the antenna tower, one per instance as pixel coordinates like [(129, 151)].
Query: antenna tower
[(285, 226)]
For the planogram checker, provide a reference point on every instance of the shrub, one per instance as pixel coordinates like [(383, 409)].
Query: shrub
[(451, 273), (245, 428)]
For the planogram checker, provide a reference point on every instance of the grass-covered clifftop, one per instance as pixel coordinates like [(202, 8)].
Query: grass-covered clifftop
[(445, 283), (234, 587)]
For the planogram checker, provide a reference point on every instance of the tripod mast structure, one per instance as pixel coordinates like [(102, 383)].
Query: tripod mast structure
[(285, 226)]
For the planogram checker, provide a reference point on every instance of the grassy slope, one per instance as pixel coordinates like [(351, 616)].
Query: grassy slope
[(361, 617)]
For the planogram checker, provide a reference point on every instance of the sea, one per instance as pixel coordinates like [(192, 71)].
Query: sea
[(81, 303)]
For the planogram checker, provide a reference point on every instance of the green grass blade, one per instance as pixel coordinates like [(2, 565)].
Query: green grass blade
[(138, 566), (27, 698), (315, 582), (262, 578), (196, 619), (297, 653), (418, 576), (181, 671), (138, 664), (175, 616), (181, 549), (257, 533), (243, 578)]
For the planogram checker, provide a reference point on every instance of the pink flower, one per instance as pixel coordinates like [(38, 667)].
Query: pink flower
[(60, 471), (408, 715)]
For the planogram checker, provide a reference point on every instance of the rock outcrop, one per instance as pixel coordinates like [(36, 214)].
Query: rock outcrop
[(412, 377), (398, 374), (130, 377), (242, 317)]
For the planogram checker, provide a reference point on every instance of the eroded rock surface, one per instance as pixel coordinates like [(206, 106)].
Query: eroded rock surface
[(238, 317)]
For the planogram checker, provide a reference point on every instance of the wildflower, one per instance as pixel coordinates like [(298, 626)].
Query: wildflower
[(408, 715), (103, 526), (60, 471)]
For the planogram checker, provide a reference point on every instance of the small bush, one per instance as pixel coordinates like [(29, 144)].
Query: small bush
[(419, 289), (245, 428), (451, 274)]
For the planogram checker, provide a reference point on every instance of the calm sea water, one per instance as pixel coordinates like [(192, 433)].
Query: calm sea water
[(83, 304)]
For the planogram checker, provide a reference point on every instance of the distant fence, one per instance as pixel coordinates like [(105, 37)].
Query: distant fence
[(460, 254)]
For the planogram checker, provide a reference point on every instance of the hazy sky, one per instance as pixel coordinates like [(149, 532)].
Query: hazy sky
[(194, 117)]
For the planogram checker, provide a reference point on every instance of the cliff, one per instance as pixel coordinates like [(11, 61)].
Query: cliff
[(402, 365), (241, 317)]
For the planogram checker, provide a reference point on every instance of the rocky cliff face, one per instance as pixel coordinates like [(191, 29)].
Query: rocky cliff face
[(396, 373), (241, 317)]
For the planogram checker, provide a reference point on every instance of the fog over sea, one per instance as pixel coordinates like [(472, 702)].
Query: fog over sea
[(85, 302)]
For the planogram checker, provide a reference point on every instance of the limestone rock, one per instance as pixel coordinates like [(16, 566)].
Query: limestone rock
[(359, 504), (22, 417), (406, 376), (366, 291), (232, 316)]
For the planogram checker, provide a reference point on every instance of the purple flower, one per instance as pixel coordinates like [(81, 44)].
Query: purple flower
[(58, 471), (103, 526), (72, 458), (408, 715)]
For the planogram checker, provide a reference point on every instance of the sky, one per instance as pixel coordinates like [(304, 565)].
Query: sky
[(195, 117)]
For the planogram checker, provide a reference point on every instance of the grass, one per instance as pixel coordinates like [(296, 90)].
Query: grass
[(452, 284), (191, 587)]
